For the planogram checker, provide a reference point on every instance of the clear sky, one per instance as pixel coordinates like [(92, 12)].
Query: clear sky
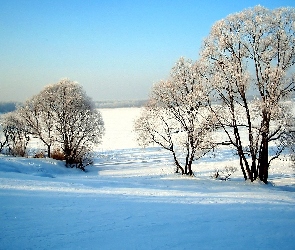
[(116, 49)]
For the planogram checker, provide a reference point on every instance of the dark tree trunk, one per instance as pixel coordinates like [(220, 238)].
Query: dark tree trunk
[(48, 151), (263, 153), (254, 169), (242, 168), (245, 169), (177, 164), (186, 165), (263, 159), (189, 167)]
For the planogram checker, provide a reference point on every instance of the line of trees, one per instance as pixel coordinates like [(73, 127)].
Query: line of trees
[(241, 85), (63, 117), (6, 107), (243, 81)]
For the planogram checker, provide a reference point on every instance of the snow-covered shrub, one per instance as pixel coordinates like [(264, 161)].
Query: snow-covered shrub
[(57, 154), (39, 155), (224, 174)]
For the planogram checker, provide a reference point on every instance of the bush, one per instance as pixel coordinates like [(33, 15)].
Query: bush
[(39, 155), (17, 150), (81, 161), (224, 174), (57, 154)]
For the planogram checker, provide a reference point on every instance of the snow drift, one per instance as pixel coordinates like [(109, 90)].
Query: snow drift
[(131, 199)]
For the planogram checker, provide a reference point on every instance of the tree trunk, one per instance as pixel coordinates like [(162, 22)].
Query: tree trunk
[(243, 160), (186, 165), (177, 164), (48, 151), (263, 159), (242, 167), (189, 167), (250, 176), (254, 169)]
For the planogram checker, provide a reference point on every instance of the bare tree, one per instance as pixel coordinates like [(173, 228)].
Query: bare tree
[(176, 116), (3, 136), (39, 116), (62, 115), (251, 69), (77, 124), (16, 133)]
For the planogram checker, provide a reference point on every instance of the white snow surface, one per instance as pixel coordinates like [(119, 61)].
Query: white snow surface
[(131, 199)]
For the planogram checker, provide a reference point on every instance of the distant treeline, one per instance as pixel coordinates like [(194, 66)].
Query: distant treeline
[(6, 107), (120, 104)]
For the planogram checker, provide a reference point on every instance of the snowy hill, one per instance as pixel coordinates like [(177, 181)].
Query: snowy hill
[(131, 199)]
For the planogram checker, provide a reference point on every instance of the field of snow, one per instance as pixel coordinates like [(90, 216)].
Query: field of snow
[(131, 199)]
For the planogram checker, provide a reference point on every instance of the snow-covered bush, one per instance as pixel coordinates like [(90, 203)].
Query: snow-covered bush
[(224, 174)]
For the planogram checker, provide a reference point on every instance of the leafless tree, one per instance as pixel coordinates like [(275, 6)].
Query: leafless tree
[(250, 57), (62, 115), (176, 116), (3, 136), (39, 116), (16, 133), (77, 124)]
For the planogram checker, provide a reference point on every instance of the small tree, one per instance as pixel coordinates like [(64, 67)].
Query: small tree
[(63, 116), (288, 141), (77, 124), (3, 136), (176, 116), (39, 116), (16, 133)]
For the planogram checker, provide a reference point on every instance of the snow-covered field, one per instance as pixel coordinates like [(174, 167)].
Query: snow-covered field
[(131, 199)]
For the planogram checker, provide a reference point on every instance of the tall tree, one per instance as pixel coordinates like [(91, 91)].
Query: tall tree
[(176, 117), (250, 55)]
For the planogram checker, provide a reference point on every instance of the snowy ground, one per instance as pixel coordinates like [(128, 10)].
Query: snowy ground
[(131, 199)]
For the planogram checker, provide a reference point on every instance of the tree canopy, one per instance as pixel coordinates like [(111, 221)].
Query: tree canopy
[(243, 81), (64, 117)]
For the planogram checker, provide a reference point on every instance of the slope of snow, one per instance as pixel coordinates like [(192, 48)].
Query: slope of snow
[(119, 128), (131, 199)]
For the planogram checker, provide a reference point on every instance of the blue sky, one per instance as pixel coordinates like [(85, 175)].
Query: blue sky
[(115, 49)]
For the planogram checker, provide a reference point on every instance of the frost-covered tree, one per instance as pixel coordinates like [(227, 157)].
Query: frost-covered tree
[(250, 57), (176, 117), (16, 133), (62, 115), (3, 136), (39, 116), (78, 125)]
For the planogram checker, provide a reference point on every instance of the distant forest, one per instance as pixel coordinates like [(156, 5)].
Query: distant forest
[(121, 104), (6, 107)]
